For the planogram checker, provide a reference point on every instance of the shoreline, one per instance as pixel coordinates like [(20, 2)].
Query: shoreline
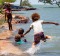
[(6, 45)]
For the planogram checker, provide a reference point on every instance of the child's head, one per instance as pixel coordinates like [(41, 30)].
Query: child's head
[(35, 17), (17, 38), (20, 31)]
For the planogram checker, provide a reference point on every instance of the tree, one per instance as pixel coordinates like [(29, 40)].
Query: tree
[(26, 3), (50, 2), (9, 0), (58, 3), (20, 2)]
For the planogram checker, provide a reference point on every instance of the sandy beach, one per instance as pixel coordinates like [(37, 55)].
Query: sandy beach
[(6, 46)]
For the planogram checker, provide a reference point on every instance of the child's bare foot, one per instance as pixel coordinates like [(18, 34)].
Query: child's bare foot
[(48, 37), (33, 45)]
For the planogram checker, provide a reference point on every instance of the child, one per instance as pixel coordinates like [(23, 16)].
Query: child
[(20, 32), (38, 30), (8, 14), (19, 36)]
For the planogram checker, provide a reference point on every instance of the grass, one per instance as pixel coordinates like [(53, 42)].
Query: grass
[(0, 1)]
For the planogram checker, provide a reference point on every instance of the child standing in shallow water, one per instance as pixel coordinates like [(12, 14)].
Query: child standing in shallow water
[(38, 30), (19, 36)]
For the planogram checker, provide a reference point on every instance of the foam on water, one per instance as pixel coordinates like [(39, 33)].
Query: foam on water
[(32, 50), (4, 53)]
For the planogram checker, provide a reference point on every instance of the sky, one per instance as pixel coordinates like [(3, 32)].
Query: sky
[(31, 1), (17, 2), (35, 2)]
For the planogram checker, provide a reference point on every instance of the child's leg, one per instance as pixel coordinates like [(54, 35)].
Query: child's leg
[(33, 45), (48, 37), (36, 40)]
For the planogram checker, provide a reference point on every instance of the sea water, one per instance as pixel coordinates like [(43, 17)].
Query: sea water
[(52, 46)]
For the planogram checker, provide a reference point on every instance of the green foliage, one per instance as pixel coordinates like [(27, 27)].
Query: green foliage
[(48, 1), (58, 3), (26, 3), (0, 1), (0, 10), (8, 0)]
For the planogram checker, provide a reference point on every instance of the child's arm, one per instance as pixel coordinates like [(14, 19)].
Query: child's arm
[(28, 31), (50, 23)]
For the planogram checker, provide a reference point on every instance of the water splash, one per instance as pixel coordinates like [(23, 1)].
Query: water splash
[(4, 53), (32, 50)]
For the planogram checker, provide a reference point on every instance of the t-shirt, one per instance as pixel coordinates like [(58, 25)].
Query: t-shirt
[(37, 26)]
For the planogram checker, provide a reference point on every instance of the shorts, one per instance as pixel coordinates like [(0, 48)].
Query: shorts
[(38, 37)]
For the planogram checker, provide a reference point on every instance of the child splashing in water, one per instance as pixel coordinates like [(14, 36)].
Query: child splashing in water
[(19, 36), (38, 30)]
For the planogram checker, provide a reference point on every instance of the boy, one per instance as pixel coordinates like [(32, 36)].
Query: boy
[(19, 36), (38, 30)]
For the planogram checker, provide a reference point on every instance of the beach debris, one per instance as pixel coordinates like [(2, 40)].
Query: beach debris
[(7, 47), (20, 19)]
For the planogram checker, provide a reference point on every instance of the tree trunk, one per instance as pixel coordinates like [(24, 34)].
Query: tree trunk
[(20, 2)]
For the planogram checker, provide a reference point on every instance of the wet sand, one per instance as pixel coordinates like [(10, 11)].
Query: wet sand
[(6, 45), (7, 48), (5, 34)]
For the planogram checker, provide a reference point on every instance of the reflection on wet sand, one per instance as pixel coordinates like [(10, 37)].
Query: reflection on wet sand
[(8, 47)]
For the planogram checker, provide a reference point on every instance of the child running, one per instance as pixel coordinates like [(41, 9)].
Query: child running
[(38, 30)]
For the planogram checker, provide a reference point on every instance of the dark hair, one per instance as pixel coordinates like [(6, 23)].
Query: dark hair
[(20, 31), (8, 7), (17, 38), (35, 16)]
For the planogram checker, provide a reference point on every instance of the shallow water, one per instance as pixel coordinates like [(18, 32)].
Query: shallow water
[(51, 47)]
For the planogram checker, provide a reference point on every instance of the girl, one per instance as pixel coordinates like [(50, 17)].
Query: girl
[(8, 14)]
